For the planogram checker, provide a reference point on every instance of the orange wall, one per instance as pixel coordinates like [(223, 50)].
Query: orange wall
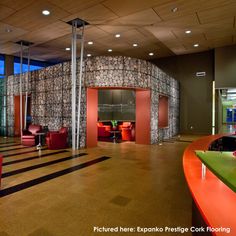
[(143, 117), (17, 114), (92, 116), (163, 111)]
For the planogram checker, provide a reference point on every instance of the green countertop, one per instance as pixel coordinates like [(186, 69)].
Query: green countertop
[(222, 164)]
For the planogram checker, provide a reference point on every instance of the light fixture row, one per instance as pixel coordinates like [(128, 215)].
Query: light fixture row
[(189, 32)]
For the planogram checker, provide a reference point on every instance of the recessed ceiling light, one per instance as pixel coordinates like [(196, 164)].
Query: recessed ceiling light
[(8, 30), (90, 43), (67, 49), (46, 12), (188, 32), (196, 45), (150, 53), (89, 55), (174, 9), (109, 50), (117, 35), (135, 45)]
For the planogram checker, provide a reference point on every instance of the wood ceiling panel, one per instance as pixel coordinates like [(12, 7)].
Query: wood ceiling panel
[(17, 4), (112, 42), (12, 35), (217, 13), (161, 33), (146, 17), (180, 22), (97, 14), (47, 33), (214, 34), (92, 33), (123, 8), (221, 41), (186, 7), (5, 11), (9, 48), (197, 35), (115, 27), (134, 36), (75, 6), (31, 18)]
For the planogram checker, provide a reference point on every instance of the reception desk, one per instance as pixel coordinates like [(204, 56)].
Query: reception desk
[(215, 201)]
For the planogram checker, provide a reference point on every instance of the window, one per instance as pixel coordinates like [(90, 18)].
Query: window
[(34, 65), (2, 64), (24, 68)]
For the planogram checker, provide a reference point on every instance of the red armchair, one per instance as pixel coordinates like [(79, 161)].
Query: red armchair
[(28, 137), (0, 169), (57, 139), (103, 130), (127, 131)]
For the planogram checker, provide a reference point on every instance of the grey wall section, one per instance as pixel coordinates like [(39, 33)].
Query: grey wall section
[(50, 91), (225, 67), (195, 92)]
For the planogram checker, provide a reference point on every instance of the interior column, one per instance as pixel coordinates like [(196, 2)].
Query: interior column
[(92, 116)]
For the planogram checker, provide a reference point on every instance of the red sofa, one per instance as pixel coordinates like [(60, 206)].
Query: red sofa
[(128, 131), (28, 137), (103, 130), (57, 139), (0, 169)]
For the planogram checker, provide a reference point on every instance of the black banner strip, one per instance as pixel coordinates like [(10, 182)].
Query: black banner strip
[(45, 178), (32, 157), (19, 153), (29, 168)]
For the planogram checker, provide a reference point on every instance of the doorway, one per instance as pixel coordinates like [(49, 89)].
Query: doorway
[(142, 116), (17, 131)]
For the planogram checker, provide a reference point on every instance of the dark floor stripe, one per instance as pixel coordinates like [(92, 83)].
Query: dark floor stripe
[(19, 153), (29, 168), (45, 178), (7, 142), (33, 157), (11, 145), (13, 149)]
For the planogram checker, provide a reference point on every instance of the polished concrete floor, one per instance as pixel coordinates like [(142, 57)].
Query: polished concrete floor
[(114, 185)]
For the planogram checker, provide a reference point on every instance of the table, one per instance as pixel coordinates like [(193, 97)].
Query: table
[(114, 132), (39, 146)]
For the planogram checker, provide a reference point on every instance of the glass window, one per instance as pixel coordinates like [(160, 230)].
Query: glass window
[(24, 68), (2, 63)]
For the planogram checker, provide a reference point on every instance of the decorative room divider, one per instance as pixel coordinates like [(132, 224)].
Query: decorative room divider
[(50, 91)]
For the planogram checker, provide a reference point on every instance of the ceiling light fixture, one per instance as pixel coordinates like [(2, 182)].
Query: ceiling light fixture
[(151, 54), (117, 35), (67, 49), (46, 12), (196, 45), (109, 50), (90, 43), (174, 9), (89, 55), (188, 32), (135, 45), (8, 30)]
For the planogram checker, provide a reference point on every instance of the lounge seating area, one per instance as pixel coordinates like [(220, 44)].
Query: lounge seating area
[(54, 139), (125, 131)]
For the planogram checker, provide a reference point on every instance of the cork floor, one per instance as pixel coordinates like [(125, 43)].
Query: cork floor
[(53, 193)]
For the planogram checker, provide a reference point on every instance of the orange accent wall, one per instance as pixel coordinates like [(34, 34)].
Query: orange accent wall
[(17, 131), (163, 111), (143, 117), (92, 116)]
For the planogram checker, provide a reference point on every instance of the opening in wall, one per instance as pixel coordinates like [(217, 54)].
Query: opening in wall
[(163, 112)]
